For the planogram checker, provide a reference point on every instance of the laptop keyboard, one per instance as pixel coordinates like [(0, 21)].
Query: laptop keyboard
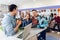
[(20, 36)]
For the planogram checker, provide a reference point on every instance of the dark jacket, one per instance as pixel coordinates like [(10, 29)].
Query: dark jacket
[(25, 22), (57, 19)]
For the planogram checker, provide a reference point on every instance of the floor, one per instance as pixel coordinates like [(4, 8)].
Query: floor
[(53, 36)]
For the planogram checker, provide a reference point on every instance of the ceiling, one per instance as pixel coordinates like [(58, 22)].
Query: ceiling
[(31, 3)]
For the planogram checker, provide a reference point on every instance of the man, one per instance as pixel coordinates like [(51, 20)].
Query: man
[(34, 18), (57, 23), (42, 24), (35, 21), (9, 23)]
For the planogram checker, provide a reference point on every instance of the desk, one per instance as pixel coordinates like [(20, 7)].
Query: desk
[(34, 32), (14, 37)]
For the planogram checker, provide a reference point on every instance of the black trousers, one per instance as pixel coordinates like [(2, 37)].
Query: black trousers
[(42, 35), (58, 26)]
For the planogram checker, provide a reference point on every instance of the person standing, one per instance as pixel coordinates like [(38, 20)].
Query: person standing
[(9, 22), (57, 23)]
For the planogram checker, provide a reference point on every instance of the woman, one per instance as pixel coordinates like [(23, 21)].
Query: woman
[(27, 19)]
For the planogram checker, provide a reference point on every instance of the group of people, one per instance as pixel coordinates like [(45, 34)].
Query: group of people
[(55, 22), (11, 25), (37, 20)]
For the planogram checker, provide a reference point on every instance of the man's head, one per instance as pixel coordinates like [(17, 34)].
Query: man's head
[(13, 9), (35, 13), (55, 15)]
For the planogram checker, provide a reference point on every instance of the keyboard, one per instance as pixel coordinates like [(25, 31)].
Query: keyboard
[(20, 36)]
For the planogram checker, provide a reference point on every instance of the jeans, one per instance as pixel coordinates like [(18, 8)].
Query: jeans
[(42, 35)]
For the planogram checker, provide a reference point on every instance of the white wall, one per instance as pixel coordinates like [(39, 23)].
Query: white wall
[(30, 3)]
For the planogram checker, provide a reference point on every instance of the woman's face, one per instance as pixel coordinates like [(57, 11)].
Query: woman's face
[(27, 17)]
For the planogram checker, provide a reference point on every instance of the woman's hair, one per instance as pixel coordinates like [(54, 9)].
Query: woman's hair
[(51, 15), (28, 15), (12, 7)]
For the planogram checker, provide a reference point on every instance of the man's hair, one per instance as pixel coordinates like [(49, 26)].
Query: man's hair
[(34, 10), (54, 13), (12, 7)]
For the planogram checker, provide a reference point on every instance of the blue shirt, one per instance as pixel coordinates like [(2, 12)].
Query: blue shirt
[(9, 23)]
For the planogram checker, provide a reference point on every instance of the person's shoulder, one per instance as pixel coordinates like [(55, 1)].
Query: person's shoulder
[(32, 16), (24, 20), (39, 16), (43, 19), (57, 17), (6, 17)]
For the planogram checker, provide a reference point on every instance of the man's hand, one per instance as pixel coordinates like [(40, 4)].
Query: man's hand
[(18, 22)]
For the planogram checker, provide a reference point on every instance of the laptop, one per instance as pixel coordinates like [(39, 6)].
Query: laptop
[(26, 32)]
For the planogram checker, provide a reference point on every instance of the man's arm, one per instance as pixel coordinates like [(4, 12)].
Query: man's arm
[(18, 24), (8, 26)]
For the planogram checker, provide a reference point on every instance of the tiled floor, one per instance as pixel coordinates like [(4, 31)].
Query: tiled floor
[(52, 36)]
